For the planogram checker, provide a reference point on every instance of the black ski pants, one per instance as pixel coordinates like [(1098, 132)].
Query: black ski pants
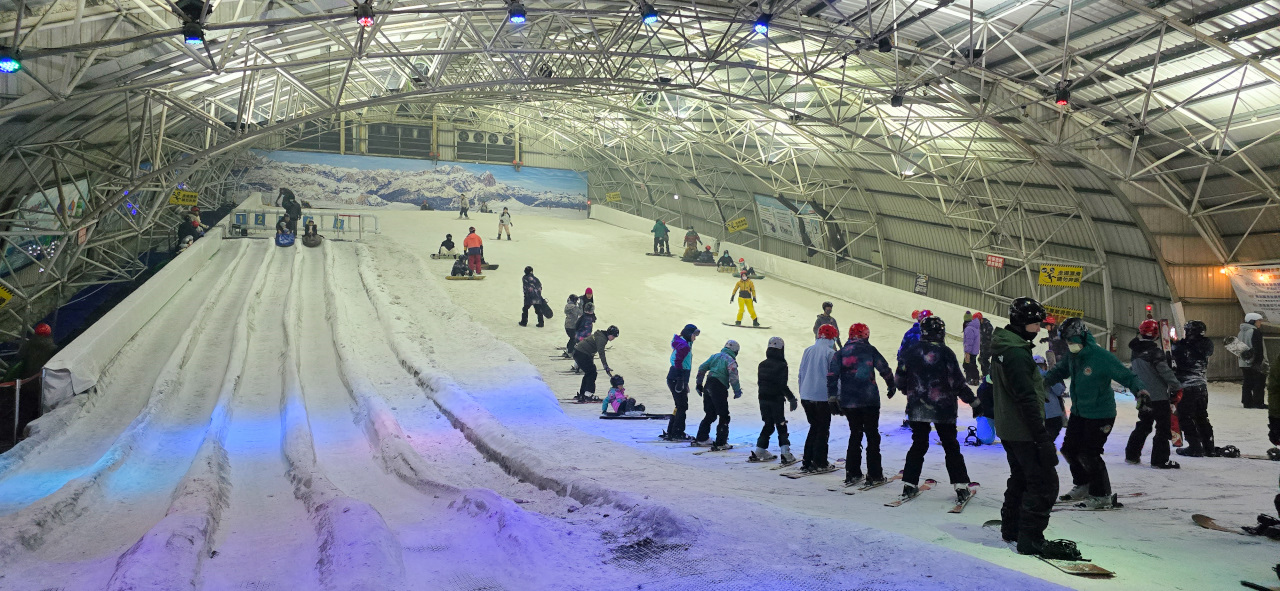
[(1193, 416), (1083, 446), (587, 363), (573, 340), (774, 415), (863, 421), (1159, 414), (815, 444), (661, 245), (530, 301), (1253, 390), (1054, 427), (1028, 495), (678, 383), (956, 470), (715, 403)]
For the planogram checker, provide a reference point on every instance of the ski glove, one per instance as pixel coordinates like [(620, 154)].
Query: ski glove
[(701, 389), (835, 404), (794, 405), (737, 394), (1048, 454), (891, 390)]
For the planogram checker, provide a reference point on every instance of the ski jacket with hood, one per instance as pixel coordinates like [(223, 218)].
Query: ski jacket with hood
[(472, 241), (771, 377), (826, 319), (594, 344), (1148, 362), (1257, 353), (660, 230), (723, 367), (744, 286), (930, 377), (1091, 372), (1017, 388), (1191, 360), (973, 338), (532, 288), (813, 370), (851, 375), (681, 353), (505, 218), (911, 337), (572, 311)]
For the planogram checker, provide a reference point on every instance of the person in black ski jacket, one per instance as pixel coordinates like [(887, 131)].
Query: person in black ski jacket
[(1191, 362), (289, 202), (851, 387), (532, 297), (984, 346), (584, 354), (1148, 362), (771, 378)]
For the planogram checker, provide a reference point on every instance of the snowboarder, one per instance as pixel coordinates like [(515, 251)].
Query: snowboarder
[(584, 354), (1164, 390), (706, 256), (504, 224), (572, 311), (1054, 410), (1019, 392), (1191, 360), (475, 251), (930, 377), (692, 240), (723, 367), (463, 205), (447, 247), (33, 354), (1253, 361), (771, 378), (532, 297), (289, 202), (725, 261), (1093, 410), (661, 238), (913, 334), (851, 385), (461, 268), (972, 347), (617, 402), (745, 291), (825, 319), (812, 377), (678, 381)]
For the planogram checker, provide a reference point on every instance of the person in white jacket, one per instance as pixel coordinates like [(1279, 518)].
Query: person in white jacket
[(504, 223), (813, 397)]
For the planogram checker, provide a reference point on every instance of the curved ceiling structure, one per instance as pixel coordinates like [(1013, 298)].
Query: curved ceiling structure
[(925, 134)]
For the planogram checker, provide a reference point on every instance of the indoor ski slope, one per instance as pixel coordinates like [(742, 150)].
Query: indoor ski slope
[(342, 418)]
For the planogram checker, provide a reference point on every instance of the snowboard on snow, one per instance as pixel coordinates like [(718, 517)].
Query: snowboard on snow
[(439, 256), (658, 254), (959, 506), (639, 417), (488, 267), (1060, 502), (1080, 568), (464, 277), (1209, 523), (745, 325), (704, 264), (924, 486)]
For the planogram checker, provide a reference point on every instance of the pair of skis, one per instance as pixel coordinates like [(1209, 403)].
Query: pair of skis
[(861, 485)]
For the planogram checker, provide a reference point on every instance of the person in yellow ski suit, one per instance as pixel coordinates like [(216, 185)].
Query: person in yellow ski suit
[(745, 291)]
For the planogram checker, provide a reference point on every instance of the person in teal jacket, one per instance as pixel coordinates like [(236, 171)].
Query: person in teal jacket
[(1093, 410), (660, 233), (723, 367)]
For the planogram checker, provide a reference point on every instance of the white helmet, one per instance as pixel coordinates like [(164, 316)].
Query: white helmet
[(732, 346), (776, 343), (1250, 317)]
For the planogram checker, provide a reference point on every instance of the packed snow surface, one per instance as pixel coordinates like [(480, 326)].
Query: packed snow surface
[(343, 418)]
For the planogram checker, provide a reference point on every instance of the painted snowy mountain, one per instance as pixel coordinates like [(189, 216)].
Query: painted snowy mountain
[(439, 186)]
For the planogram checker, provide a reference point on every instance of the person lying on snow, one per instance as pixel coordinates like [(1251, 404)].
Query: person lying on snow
[(617, 402)]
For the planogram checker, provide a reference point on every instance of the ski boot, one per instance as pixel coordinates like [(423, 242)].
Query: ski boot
[(1101, 503), (909, 491), (1229, 451), (1189, 452), (700, 443), (962, 492), (1167, 465), (1077, 493), (737, 323), (875, 481), (761, 455), (787, 458), (1133, 461), (1058, 550), (720, 446), (853, 479)]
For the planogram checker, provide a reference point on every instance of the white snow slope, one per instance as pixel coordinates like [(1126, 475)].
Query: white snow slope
[(342, 418)]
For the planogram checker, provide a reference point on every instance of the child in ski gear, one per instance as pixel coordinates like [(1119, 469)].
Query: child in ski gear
[(460, 268), (972, 347), (1149, 364), (661, 242), (1253, 361), (913, 334), (463, 205), (586, 322), (706, 256), (771, 378), (743, 266), (690, 254), (984, 413), (984, 347), (572, 311), (1057, 347), (1093, 410), (931, 379), (504, 224), (532, 289), (475, 255), (826, 319), (745, 291), (447, 246), (1191, 360), (584, 354), (725, 260), (678, 380), (1054, 410), (617, 402), (851, 387), (723, 368), (1019, 394), (692, 239), (814, 365)]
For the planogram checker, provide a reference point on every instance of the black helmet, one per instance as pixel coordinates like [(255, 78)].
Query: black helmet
[(933, 329), (1073, 328), (449, 236), (612, 331), (1024, 311), (616, 380), (1194, 328), (528, 270), (827, 305)]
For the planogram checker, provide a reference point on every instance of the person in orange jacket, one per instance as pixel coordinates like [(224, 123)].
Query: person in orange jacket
[(473, 244)]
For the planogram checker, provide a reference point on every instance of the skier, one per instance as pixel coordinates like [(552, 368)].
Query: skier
[(725, 261), (1054, 410), (931, 379), (447, 247), (532, 297), (1253, 361), (972, 347), (572, 311), (723, 367), (1093, 411), (475, 252), (826, 319), (289, 202), (771, 378), (706, 256), (1149, 364), (617, 402), (678, 381), (1019, 392), (913, 334), (814, 397), (745, 291), (586, 324), (851, 383), (661, 242), (1191, 358), (584, 354), (463, 206), (504, 224), (33, 354)]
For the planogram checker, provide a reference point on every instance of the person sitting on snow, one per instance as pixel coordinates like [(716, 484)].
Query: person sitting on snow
[(448, 247), (617, 402), (690, 254), (283, 226), (725, 260), (706, 256)]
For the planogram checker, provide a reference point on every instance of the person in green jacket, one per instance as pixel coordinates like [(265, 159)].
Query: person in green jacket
[(723, 367), (1273, 404), (661, 245), (1093, 411)]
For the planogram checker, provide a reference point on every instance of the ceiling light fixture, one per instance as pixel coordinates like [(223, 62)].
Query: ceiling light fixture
[(884, 45), (762, 23), (896, 99), (364, 14), (516, 13), (648, 13), (192, 33), (9, 62), (1062, 94)]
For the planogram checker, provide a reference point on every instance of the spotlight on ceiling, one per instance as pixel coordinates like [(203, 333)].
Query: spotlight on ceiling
[(1062, 95), (192, 33), (648, 13), (762, 23), (515, 13), (9, 62), (364, 14), (884, 45), (896, 99)]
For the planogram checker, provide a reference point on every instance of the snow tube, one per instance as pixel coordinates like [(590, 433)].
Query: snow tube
[(986, 432), (312, 241), (284, 239)]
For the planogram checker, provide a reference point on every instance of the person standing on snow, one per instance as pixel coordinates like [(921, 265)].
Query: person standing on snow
[(1057, 348), (572, 311), (1093, 411), (972, 348), (678, 381), (913, 334), (1191, 360), (745, 291), (984, 347), (851, 384), (289, 202), (1149, 364), (1019, 393), (814, 367), (585, 326), (1253, 361), (475, 252), (771, 378), (1054, 411), (825, 319), (930, 377), (723, 367), (692, 240), (584, 354), (661, 240), (463, 205), (504, 224), (532, 297)]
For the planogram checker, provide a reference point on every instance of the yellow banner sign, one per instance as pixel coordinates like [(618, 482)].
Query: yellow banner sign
[(613, 196), (1061, 275), (186, 198), (1061, 314), (5, 296), (736, 225)]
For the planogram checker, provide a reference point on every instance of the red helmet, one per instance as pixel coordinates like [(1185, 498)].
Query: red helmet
[(43, 330), (1149, 329), (925, 314), (860, 331), (708, 247), (977, 315), (1050, 320), (827, 331), (741, 260), (915, 314)]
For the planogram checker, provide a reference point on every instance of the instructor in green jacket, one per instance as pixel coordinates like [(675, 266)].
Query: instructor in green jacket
[(660, 233), (1093, 411)]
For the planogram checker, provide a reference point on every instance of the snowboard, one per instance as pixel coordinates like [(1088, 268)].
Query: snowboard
[(1208, 523), (704, 264), (709, 450), (794, 475), (463, 277), (1248, 585), (1080, 568), (1131, 495), (439, 256), (973, 492), (726, 269), (488, 267), (545, 309), (658, 254), (745, 325), (924, 486), (641, 417)]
